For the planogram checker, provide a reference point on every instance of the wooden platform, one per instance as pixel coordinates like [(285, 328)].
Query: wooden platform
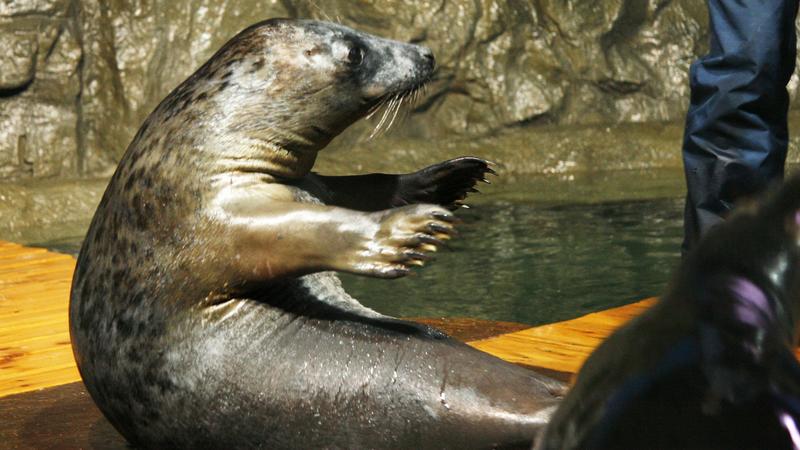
[(562, 346), (35, 351)]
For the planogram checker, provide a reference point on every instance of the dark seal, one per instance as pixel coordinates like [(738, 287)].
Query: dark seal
[(204, 310), (711, 366)]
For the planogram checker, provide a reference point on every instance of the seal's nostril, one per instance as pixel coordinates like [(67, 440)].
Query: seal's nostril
[(430, 59)]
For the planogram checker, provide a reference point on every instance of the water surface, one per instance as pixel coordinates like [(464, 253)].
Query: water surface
[(538, 264)]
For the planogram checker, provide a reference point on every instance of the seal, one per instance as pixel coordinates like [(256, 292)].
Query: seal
[(205, 312), (711, 365)]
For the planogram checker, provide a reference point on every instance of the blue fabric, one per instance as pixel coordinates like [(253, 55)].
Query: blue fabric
[(736, 133)]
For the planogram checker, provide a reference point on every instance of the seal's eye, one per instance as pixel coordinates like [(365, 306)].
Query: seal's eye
[(355, 56)]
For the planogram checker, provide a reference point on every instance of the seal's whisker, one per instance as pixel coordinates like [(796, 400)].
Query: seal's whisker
[(413, 94), (388, 108), (391, 105), (382, 102), (388, 112), (411, 101), (397, 107), (377, 106)]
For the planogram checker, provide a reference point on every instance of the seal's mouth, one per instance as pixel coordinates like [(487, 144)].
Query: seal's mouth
[(392, 102)]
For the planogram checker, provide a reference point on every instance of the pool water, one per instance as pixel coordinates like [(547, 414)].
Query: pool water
[(532, 262), (535, 264)]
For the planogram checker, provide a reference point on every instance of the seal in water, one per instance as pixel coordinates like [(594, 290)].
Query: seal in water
[(203, 311), (712, 364)]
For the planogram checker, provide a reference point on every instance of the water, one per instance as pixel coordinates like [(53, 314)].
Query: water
[(534, 264), (529, 261)]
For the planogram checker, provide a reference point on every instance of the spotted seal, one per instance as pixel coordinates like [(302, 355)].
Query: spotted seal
[(205, 312), (712, 365)]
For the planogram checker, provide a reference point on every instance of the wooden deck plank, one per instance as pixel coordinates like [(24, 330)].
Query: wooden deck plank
[(35, 381), (51, 337), (45, 324), (562, 346), (34, 336), (28, 293)]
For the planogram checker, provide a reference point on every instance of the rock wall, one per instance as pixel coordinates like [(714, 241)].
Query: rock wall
[(77, 77), (39, 87)]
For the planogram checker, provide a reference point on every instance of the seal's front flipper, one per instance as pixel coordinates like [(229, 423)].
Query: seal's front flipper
[(372, 192), (266, 238), (406, 235), (447, 183)]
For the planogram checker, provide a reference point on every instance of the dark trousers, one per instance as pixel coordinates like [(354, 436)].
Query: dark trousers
[(736, 132)]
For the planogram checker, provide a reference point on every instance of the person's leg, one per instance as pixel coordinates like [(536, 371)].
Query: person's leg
[(736, 133)]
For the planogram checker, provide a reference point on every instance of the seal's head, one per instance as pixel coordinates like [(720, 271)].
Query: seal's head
[(295, 84)]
